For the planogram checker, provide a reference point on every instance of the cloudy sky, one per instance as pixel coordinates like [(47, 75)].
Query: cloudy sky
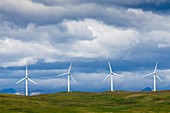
[(49, 34)]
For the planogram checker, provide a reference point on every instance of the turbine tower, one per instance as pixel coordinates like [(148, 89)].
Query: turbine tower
[(111, 74), (69, 76), (154, 76), (26, 81)]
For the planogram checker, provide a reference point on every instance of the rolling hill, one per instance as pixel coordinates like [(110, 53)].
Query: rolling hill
[(85, 102)]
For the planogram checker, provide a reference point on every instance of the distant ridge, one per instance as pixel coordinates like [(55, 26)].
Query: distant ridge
[(147, 89)]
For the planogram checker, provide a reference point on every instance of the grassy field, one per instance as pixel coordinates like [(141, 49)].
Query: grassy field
[(83, 102)]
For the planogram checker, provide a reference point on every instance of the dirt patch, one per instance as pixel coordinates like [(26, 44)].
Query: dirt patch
[(134, 95)]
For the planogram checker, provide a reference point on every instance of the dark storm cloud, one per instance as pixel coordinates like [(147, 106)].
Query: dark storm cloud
[(155, 5), (43, 14)]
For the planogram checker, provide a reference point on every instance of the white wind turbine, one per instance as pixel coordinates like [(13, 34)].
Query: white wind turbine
[(69, 76), (26, 81), (155, 76), (111, 74)]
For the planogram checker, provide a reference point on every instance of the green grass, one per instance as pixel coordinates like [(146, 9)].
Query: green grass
[(83, 102)]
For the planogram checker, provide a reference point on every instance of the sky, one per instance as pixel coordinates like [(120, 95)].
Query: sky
[(47, 35)]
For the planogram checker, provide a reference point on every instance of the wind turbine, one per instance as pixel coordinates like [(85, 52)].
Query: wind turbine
[(111, 74), (26, 81), (69, 76), (155, 76)]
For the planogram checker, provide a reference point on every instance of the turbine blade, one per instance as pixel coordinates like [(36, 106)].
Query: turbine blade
[(21, 80), (26, 72), (70, 68), (118, 75), (106, 77), (148, 74), (159, 78), (73, 79), (62, 74), (110, 67), (32, 81), (156, 67)]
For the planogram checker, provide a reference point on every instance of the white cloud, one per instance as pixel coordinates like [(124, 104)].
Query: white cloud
[(71, 32), (21, 62), (73, 40), (18, 53), (108, 41), (161, 38), (80, 39), (163, 45)]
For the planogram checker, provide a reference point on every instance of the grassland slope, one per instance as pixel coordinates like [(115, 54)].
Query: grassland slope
[(85, 102)]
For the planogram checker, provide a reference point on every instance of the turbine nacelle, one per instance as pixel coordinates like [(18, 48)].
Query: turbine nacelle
[(69, 76), (111, 74), (26, 79), (154, 72), (155, 76)]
